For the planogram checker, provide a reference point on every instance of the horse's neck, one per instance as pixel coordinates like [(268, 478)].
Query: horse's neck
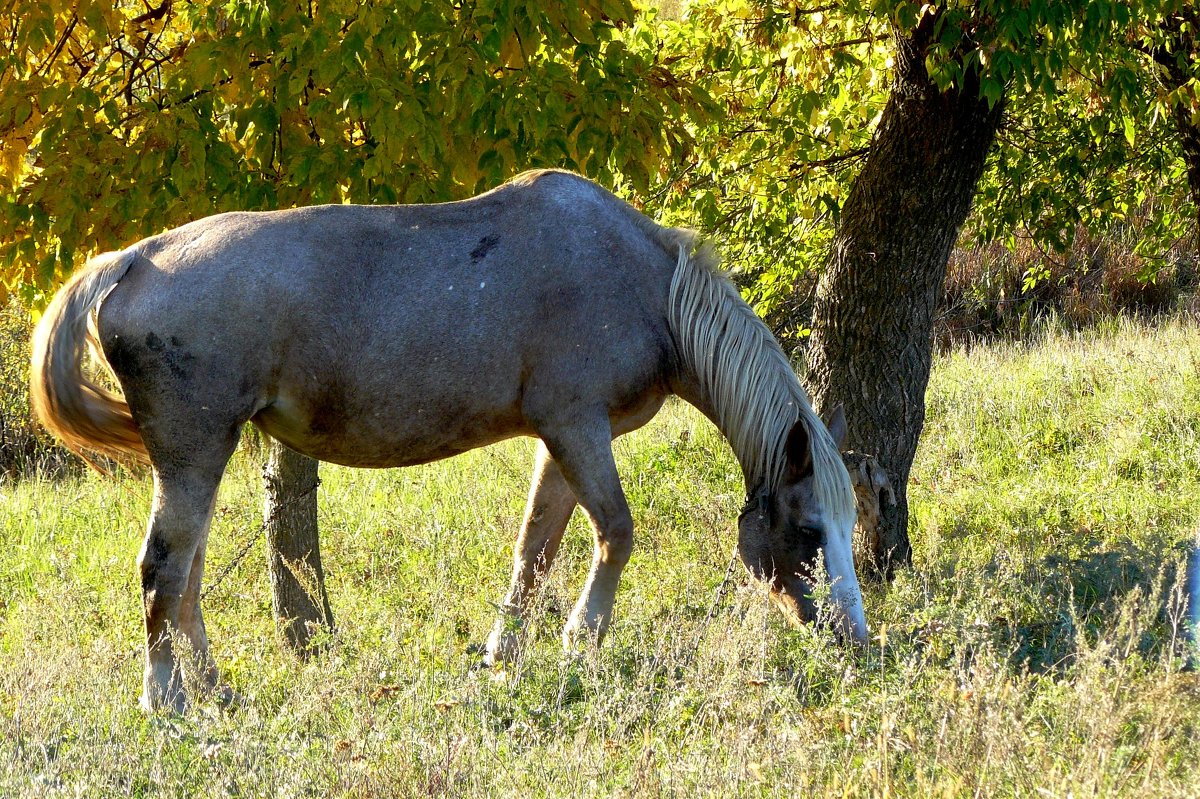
[(688, 387), (732, 368)]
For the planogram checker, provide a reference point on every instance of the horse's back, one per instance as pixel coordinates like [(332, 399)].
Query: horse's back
[(388, 335)]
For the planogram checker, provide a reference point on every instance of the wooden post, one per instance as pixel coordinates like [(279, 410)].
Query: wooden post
[(298, 595)]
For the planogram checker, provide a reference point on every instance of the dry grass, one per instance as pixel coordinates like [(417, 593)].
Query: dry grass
[(1032, 650)]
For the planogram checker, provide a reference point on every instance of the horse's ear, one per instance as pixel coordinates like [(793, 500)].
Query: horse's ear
[(836, 423), (798, 451)]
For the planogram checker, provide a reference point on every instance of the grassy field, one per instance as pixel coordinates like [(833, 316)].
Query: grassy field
[(1032, 651)]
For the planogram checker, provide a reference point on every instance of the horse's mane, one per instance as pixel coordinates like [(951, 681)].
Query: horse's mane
[(745, 377)]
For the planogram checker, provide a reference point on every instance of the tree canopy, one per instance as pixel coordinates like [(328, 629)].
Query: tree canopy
[(121, 120), (746, 118)]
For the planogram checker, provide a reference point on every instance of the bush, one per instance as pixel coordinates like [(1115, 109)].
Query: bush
[(992, 291), (24, 448)]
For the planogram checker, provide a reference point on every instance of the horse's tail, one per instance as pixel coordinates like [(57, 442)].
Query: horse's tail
[(83, 415)]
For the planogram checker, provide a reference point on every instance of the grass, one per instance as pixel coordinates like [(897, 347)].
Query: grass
[(1032, 650)]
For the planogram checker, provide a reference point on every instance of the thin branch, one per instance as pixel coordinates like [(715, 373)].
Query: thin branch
[(833, 160), (153, 13), (871, 39), (62, 42)]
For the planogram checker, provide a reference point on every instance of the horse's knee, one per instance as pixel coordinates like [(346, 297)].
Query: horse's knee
[(616, 540)]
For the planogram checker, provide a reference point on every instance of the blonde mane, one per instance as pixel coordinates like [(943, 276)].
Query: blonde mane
[(746, 379)]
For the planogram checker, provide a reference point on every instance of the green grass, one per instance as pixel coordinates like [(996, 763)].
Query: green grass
[(1031, 651)]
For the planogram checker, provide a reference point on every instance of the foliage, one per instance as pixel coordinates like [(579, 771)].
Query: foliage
[(1029, 651), (745, 118), (1090, 150), (801, 91), (1087, 137), (122, 120), (25, 451)]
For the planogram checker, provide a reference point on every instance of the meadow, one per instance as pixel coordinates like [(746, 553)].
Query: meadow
[(1034, 649)]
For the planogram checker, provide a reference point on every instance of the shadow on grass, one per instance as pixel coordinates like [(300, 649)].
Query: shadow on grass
[(1094, 595)]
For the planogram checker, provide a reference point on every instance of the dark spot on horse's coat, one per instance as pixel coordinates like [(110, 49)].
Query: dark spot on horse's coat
[(135, 361), (484, 247), (156, 555), (246, 388), (180, 364), (123, 358)]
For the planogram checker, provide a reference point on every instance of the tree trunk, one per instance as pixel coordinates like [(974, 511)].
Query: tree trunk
[(298, 595), (1178, 64), (873, 319), (1189, 137)]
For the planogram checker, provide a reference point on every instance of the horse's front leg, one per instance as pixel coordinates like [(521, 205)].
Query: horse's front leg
[(584, 454), (179, 523), (547, 512)]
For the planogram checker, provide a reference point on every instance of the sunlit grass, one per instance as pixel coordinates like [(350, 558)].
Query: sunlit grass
[(1032, 649)]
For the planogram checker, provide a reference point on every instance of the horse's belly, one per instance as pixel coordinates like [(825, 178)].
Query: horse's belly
[(386, 434)]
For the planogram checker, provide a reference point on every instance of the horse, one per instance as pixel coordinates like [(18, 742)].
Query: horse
[(381, 336)]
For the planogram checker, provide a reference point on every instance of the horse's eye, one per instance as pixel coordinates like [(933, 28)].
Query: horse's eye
[(813, 533), (811, 536)]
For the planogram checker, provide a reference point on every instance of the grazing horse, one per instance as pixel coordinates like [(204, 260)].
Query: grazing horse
[(389, 336)]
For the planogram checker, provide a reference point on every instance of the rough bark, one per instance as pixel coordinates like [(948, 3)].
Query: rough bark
[(1189, 137), (298, 595), (873, 319), (1177, 63)]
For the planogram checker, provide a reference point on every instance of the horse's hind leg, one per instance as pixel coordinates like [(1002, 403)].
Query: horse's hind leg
[(191, 622), (547, 512), (179, 520)]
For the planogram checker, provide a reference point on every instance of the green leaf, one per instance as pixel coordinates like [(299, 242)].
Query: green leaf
[(1130, 127)]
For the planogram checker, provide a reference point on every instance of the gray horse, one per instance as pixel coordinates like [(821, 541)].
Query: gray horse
[(390, 336)]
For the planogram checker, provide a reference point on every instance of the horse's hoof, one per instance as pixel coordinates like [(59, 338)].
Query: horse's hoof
[(503, 646), (579, 637), (150, 705)]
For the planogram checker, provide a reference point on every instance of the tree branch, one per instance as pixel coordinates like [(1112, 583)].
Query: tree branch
[(833, 160), (850, 43), (152, 13), (62, 42)]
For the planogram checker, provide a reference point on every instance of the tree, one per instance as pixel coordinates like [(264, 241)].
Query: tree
[(120, 121), (955, 64), (873, 322), (298, 596)]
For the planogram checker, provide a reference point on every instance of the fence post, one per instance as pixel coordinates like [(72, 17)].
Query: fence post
[(298, 596)]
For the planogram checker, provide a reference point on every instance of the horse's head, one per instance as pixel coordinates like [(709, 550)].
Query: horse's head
[(781, 533)]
